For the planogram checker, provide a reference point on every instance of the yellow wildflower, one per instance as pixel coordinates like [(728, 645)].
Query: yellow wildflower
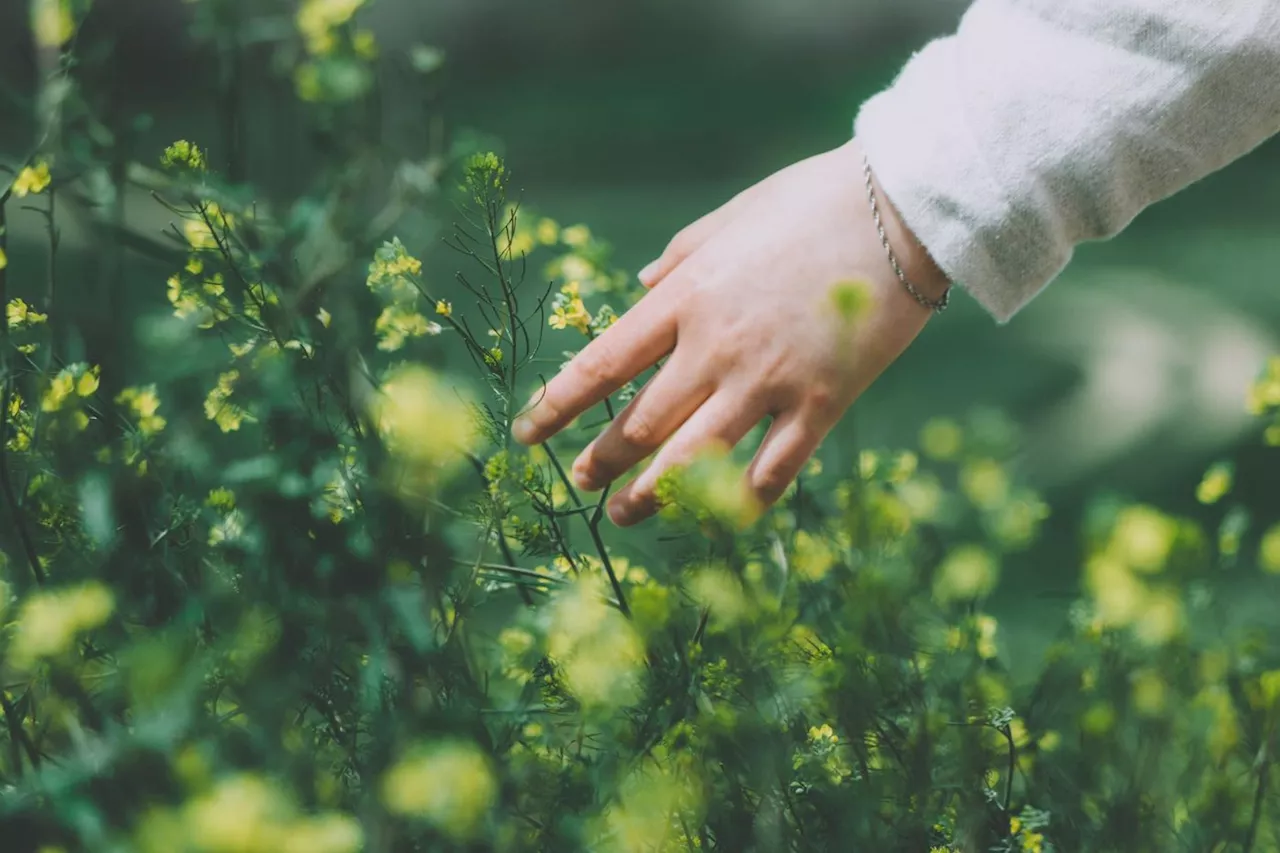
[(576, 236), (1269, 550), (59, 391), (144, 403), (49, 620), (449, 785), (219, 408), (968, 572), (19, 314), (32, 180), (186, 154), (421, 418), (1143, 537), (941, 439), (396, 324), (365, 44), (595, 647), (985, 483), (51, 22), (88, 382), (1216, 483), (548, 232), (987, 628), (444, 308), (317, 19), (814, 556)]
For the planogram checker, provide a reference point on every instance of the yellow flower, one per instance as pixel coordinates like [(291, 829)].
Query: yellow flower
[(814, 556), (1143, 537), (1216, 483), (1160, 619), (59, 391), (595, 647), (19, 314), (365, 44), (571, 313), (449, 785), (1269, 550), (850, 300), (985, 483), (444, 308), (186, 154), (421, 418), (941, 439), (317, 19), (144, 404), (722, 594), (987, 628), (32, 180), (576, 236), (823, 734), (1117, 594), (1149, 692), (87, 384), (219, 408), (51, 22), (968, 572), (241, 814), (396, 324), (49, 620), (548, 232)]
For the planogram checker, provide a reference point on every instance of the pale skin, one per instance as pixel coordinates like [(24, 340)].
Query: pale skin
[(741, 306)]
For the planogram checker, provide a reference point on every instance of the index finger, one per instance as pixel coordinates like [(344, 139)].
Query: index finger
[(635, 342)]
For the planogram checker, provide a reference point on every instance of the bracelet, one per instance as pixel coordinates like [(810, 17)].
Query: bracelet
[(937, 306)]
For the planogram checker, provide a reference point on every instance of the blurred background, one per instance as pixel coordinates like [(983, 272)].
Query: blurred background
[(635, 117)]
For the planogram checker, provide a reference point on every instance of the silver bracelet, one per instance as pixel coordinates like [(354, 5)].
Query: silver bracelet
[(937, 306)]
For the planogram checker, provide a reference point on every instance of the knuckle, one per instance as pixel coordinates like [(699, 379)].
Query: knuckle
[(638, 429), (682, 245), (821, 397), (598, 366)]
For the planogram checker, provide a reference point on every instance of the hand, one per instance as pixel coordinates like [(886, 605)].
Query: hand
[(742, 303)]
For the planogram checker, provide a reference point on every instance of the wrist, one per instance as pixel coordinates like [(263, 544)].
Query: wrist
[(914, 260)]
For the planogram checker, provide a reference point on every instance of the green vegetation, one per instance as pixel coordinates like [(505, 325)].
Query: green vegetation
[(274, 579)]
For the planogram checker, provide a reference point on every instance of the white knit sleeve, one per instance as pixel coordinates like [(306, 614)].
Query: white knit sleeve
[(1045, 123)]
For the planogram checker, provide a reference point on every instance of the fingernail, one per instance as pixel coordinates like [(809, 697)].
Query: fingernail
[(584, 482), (523, 430), (648, 274), (620, 514)]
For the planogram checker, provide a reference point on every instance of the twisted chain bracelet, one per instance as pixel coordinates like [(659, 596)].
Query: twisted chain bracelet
[(937, 306)]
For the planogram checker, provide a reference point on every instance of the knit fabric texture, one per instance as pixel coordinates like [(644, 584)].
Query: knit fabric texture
[(1042, 124)]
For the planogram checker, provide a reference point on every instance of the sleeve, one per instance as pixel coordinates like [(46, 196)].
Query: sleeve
[(1042, 124)]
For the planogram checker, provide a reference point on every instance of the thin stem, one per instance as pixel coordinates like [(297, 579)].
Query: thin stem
[(593, 526), (1260, 793)]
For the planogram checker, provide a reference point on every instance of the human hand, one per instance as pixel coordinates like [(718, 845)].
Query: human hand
[(742, 301)]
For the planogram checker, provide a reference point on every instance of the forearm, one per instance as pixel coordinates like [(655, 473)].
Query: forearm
[(1042, 124)]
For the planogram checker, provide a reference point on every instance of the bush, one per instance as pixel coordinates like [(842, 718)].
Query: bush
[(275, 580)]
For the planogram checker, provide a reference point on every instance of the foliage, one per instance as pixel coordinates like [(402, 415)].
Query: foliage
[(287, 585)]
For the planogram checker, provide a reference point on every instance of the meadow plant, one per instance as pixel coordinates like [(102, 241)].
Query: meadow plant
[(274, 577)]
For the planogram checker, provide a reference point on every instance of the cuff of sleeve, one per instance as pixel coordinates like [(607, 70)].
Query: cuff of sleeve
[(935, 173)]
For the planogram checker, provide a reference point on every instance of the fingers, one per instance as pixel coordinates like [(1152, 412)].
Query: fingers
[(722, 421), (692, 238), (657, 411), (635, 342), (792, 440)]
